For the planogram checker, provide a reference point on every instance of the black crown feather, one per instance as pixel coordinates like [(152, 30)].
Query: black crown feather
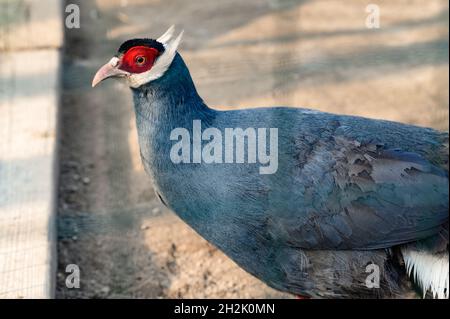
[(151, 43)]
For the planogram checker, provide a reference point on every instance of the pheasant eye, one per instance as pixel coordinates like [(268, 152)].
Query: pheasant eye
[(140, 60)]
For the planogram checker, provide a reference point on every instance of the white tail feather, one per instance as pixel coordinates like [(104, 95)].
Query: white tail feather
[(429, 271)]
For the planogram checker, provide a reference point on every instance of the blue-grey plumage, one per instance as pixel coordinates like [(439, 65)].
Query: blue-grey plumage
[(348, 191)]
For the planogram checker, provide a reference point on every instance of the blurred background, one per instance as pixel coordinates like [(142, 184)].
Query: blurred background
[(307, 53)]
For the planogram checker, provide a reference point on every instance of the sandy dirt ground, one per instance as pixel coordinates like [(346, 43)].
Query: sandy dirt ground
[(316, 54)]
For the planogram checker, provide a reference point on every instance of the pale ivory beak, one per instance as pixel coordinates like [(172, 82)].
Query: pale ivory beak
[(109, 70)]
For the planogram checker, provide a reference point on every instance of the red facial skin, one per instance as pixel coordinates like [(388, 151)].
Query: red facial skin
[(138, 59)]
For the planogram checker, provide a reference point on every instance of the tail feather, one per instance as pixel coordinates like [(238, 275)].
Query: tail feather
[(429, 271)]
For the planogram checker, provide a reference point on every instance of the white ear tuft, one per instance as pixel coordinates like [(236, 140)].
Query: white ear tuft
[(167, 35), (173, 45), (161, 65)]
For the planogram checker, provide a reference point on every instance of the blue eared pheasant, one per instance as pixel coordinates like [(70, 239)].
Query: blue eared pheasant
[(355, 208)]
